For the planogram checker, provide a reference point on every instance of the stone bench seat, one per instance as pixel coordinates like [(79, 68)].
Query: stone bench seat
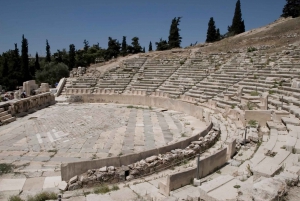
[(171, 92), (229, 102), (144, 85), (111, 86), (218, 87), (256, 84), (270, 166), (168, 87), (202, 96), (80, 86)]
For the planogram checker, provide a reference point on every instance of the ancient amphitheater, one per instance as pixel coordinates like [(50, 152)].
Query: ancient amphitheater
[(141, 122)]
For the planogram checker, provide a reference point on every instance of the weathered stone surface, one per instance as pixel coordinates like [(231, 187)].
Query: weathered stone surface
[(269, 189), (63, 186), (151, 159), (103, 169), (73, 180), (74, 186)]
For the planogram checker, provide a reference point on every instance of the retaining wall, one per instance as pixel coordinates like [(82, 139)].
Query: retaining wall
[(31, 104), (207, 166), (69, 170)]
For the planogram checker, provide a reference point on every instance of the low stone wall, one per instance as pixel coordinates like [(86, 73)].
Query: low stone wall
[(69, 170), (31, 103), (207, 166), (159, 100)]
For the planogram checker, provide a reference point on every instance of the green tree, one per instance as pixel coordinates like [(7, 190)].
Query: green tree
[(291, 9), (86, 45), (113, 48), (211, 35), (162, 45), (174, 37), (218, 35), (72, 54), (24, 60), (144, 50), (48, 53), (124, 46), (238, 25), (52, 72), (37, 62), (4, 72), (150, 47), (136, 47)]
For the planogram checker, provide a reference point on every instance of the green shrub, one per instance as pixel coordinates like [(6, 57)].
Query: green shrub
[(52, 72), (5, 168), (101, 189), (15, 198), (43, 196), (254, 93), (251, 49), (115, 188), (252, 123), (271, 92)]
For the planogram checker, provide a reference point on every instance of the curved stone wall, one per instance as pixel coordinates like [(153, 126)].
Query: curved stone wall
[(69, 170)]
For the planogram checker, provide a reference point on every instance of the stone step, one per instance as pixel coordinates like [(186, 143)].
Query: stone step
[(3, 113), (1, 110), (2, 118), (9, 120)]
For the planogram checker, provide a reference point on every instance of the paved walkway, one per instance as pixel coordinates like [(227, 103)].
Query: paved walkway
[(38, 143)]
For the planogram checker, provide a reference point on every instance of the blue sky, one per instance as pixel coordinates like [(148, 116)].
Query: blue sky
[(71, 21)]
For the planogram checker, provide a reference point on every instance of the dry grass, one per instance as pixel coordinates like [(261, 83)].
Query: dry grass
[(275, 34)]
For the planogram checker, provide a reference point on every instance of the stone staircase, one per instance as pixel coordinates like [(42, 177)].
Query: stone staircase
[(5, 117)]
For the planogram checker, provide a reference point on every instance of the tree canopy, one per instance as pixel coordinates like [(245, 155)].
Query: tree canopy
[(291, 9), (174, 36), (238, 25)]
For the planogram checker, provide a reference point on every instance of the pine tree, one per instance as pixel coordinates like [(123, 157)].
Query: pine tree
[(24, 60), (37, 62), (174, 37), (291, 9), (238, 25), (124, 46), (48, 53), (72, 54), (211, 35), (150, 47)]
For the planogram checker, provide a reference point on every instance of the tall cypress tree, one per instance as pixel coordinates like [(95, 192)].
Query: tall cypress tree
[(150, 47), (238, 25), (211, 35), (124, 46), (37, 63), (16, 59), (174, 37), (24, 60), (48, 53), (144, 50), (291, 9), (72, 55)]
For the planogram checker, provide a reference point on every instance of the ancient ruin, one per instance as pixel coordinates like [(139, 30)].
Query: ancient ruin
[(143, 121)]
